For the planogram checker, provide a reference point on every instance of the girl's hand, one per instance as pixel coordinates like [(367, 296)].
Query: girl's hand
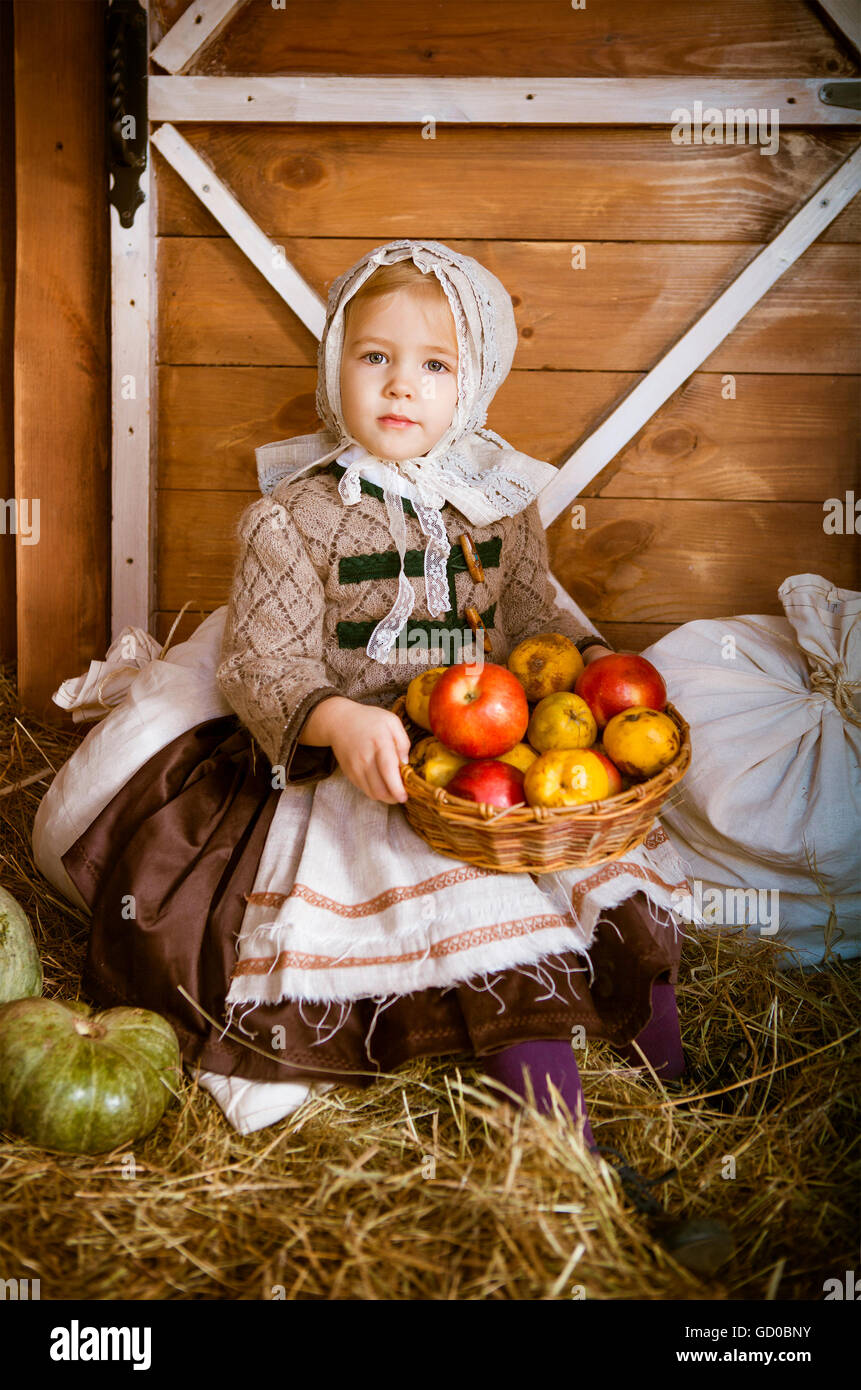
[(369, 744)]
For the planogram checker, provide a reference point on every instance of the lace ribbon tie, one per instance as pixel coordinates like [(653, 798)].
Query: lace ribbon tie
[(385, 634), (436, 558), (437, 551)]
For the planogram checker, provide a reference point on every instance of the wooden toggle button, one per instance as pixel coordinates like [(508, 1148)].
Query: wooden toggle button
[(474, 619), (473, 563)]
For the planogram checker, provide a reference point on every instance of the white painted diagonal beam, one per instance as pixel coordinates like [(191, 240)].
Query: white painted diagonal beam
[(845, 15), (700, 341), (198, 26), (491, 100), (265, 254)]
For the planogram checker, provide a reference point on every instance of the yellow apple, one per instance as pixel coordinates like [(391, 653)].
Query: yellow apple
[(521, 755), (566, 777), (562, 720), (641, 741), (434, 762), (545, 664), (419, 693)]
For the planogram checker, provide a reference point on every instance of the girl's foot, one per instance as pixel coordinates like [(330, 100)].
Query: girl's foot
[(551, 1057), (661, 1039)]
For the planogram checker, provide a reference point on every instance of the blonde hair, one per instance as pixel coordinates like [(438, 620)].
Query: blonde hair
[(403, 275)]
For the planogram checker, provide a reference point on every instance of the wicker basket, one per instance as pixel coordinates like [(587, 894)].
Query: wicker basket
[(536, 839)]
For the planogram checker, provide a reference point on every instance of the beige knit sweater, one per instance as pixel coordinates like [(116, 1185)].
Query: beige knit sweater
[(314, 577)]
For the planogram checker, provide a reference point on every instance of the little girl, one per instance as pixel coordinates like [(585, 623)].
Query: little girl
[(264, 850)]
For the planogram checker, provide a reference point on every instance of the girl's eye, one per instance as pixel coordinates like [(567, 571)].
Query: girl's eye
[(432, 362)]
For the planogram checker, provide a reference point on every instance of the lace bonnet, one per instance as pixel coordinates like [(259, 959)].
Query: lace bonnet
[(470, 466)]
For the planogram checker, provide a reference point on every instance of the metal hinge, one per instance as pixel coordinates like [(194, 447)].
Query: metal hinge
[(126, 26), (846, 94)]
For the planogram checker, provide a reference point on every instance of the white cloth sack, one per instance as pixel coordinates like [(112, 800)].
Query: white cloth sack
[(105, 684), (774, 706)]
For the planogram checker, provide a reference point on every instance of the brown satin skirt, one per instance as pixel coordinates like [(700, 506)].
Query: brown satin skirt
[(165, 868)]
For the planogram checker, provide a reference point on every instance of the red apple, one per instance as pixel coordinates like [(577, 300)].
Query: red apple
[(490, 781), (616, 682), (478, 711), (613, 772)]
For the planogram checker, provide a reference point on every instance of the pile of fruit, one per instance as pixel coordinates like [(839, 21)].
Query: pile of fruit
[(528, 733)]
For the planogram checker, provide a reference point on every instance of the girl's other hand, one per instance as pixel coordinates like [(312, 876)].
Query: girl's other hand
[(370, 743)]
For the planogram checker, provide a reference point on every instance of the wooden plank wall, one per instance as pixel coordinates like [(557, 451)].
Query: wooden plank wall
[(61, 344), (720, 496)]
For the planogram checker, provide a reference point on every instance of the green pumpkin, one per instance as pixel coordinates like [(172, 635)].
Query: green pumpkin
[(84, 1082), (20, 966)]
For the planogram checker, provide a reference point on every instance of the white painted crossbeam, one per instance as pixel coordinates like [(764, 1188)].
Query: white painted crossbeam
[(266, 255), (195, 28), (700, 341), (487, 100)]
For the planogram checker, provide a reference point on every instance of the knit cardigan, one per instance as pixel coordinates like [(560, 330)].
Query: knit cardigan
[(313, 578)]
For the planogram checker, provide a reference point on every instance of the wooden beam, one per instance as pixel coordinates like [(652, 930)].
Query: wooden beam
[(700, 341), (61, 344), (133, 387), (184, 43), (613, 101), (268, 257)]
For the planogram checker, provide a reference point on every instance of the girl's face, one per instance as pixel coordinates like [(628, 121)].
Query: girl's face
[(399, 359)]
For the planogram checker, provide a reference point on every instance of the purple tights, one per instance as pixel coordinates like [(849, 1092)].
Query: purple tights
[(660, 1040)]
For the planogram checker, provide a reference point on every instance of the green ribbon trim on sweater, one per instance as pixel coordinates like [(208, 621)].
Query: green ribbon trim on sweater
[(385, 564), (351, 635)]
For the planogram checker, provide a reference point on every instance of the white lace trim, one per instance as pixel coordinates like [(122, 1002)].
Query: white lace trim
[(505, 490), (350, 485), (466, 385), (385, 634), (437, 552)]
